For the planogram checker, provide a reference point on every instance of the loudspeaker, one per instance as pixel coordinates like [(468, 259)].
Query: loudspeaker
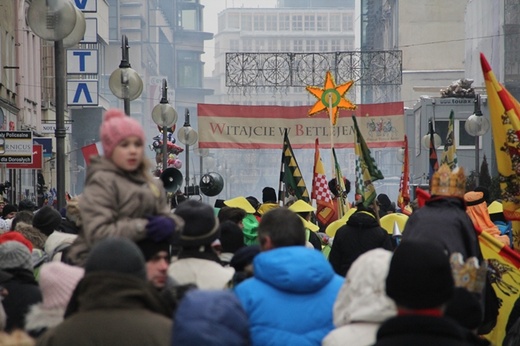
[(211, 184), (172, 179)]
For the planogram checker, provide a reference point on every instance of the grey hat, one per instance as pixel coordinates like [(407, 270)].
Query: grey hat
[(118, 255), (200, 224), (14, 254)]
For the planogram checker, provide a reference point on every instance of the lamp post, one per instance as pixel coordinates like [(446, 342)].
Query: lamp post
[(164, 115), (125, 83), (188, 136), (477, 126), (437, 141), (61, 22)]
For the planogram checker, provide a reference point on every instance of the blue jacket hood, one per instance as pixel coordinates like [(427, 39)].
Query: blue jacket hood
[(283, 269)]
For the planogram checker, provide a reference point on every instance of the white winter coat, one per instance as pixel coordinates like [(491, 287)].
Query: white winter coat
[(362, 304)]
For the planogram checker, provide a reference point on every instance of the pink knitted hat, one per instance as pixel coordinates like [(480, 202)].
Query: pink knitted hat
[(117, 126), (57, 281)]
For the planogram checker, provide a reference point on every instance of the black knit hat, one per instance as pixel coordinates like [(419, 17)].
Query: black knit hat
[(244, 256), (47, 220), (231, 237), (268, 195), (27, 204), (150, 248), (8, 209), (420, 275), (200, 223), (118, 255)]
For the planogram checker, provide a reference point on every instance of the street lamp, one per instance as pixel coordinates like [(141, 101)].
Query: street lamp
[(437, 141), (477, 126), (125, 82), (61, 22), (164, 115), (188, 136)]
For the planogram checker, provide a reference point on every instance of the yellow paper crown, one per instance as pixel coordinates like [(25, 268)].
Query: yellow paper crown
[(469, 275), (449, 183)]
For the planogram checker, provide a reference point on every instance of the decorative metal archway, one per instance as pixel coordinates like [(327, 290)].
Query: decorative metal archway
[(280, 70)]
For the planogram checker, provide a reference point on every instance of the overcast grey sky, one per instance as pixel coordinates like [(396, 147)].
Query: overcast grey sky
[(211, 10)]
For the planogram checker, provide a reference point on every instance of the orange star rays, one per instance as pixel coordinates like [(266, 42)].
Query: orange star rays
[(337, 93)]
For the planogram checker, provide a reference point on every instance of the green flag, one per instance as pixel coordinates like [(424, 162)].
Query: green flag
[(291, 176), (367, 166)]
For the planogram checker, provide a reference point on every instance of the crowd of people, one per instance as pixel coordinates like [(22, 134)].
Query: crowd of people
[(119, 266)]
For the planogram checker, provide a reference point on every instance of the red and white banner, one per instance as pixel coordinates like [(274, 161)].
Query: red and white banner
[(262, 127), (37, 160), (93, 149)]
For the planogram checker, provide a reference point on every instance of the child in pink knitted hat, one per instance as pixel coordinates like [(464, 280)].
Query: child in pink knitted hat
[(121, 197)]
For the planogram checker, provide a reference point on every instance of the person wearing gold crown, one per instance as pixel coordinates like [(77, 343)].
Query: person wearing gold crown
[(443, 220)]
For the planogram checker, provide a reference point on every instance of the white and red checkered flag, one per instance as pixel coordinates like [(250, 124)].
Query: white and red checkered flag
[(320, 190)]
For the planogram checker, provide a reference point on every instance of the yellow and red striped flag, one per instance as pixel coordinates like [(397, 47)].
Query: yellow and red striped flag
[(320, 190), (504, 274), (505, 124)]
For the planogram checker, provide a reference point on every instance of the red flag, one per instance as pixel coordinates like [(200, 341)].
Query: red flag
[(320, 190), (403, 199), (94, 149)]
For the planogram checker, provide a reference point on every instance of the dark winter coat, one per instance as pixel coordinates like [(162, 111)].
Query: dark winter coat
[(112, 309), (361, 233), (23, 292), (413, 330), (444, 220)]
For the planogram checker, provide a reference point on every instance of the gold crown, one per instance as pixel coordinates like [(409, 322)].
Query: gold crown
[(469, 275), (448, 183)]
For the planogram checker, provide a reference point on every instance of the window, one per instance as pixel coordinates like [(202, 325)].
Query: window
[(190, 20), (463, 140), (322, 22), (259, 45), (298, 45), (246, 22), (335, 22), (285, 22), (323, 45), (335, 45), (309, 45), (272, 45), (189, 70), (113, 20), (310, 24), (247, 45), (348, 24), (271, 23), (233, 21), (234, 45), (349, 44), (285, 45), (259, 24), (297, 24)]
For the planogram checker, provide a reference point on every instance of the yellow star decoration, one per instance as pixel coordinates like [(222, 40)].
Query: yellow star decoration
[(337, 92)]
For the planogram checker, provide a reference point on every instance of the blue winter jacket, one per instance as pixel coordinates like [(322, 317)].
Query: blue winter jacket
[(289, 300)]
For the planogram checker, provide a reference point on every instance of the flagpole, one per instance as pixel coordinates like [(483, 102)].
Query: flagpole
[(331, 134), (333, 165)]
